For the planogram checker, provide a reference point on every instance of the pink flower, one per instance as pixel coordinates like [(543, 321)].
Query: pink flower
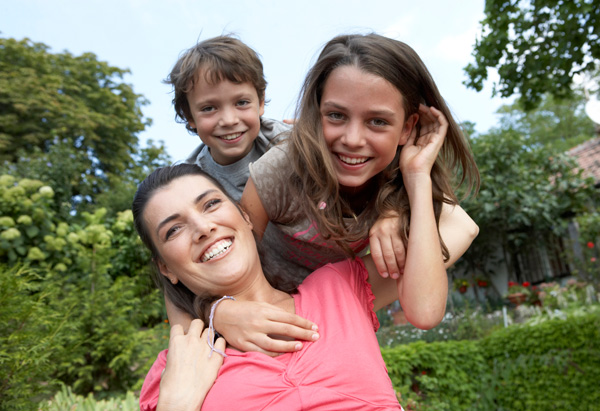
[(593, 259)]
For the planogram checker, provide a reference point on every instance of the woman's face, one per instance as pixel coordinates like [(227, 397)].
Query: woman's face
[(202, 238)]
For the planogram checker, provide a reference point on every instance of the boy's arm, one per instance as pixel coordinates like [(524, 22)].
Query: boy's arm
[(176, 316)]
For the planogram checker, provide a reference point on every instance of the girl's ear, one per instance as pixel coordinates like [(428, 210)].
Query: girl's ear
[(408, 128), (261, 109), (164, 270)]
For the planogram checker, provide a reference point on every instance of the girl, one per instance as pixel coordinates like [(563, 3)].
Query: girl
[(367, 105), (203, 245)]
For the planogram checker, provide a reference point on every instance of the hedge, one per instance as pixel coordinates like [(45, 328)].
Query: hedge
[(554, 364)]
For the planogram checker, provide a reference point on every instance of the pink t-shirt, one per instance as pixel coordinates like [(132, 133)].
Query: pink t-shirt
[(343, 370)]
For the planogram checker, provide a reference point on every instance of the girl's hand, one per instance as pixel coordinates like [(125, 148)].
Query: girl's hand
[(262, 327), (387, 248), (189, 373), (419, 155)]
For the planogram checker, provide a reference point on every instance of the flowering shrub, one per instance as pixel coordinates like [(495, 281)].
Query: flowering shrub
[(461, 285), (574, 293), (515, 288)]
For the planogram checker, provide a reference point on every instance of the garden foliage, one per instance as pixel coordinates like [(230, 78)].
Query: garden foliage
[(76, 299), (553, 364)]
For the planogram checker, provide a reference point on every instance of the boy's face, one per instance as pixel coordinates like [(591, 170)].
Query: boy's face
[(226, 116)]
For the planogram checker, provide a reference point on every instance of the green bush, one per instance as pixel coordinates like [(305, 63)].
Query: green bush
[(32, 337), (80, 313), (554, 364), (65, 399)]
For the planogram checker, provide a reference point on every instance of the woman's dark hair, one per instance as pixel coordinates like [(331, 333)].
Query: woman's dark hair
[(181, 296)]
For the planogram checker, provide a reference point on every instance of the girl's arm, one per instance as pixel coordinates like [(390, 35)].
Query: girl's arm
[(253, 206), (457, 229), (250, 326), (423, 289), (190, 372)]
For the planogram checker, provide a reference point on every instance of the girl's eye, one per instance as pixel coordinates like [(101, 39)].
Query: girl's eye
[(379, 122), (243, 103), (207, 109), (212, 203), (335, 116)]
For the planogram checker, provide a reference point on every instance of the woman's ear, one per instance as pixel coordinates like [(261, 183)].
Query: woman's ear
[(410, 126), (247, 218), (164, 270)]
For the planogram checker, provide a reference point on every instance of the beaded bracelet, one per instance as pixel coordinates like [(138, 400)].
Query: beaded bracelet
[(211, 327)]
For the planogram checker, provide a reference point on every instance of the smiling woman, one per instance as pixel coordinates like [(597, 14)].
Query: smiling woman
[(204, 248)]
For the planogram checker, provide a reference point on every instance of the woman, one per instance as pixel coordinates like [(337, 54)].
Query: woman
[(204, 248)]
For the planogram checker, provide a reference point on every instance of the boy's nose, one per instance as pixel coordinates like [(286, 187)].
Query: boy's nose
[(229, 117)]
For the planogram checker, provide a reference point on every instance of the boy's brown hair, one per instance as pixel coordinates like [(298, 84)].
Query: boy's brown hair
[(221, 58)]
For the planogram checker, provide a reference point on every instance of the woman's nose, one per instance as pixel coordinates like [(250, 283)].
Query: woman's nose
[(202, 227)]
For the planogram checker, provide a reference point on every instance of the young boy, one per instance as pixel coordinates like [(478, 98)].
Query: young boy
[(219, 90)]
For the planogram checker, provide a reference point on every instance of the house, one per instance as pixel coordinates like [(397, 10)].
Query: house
[(539, 261), (588, 158)]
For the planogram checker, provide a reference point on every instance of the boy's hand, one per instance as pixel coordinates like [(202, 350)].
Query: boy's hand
[(176, 316), (262, 327), (387, 248), (189, 373)]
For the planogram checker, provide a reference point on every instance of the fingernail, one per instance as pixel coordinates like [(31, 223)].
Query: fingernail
[(395, 276), (315, 327), (298, 347), (384, 275), (315, 337)]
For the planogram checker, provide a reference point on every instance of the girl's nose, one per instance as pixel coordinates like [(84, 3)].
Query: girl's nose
[(353, 135)]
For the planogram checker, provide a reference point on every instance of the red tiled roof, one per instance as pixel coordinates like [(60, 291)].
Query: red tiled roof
[(588, 157)]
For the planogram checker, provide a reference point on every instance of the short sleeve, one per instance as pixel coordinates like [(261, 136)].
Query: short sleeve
[(151, 386), (271, 177), (357, 276)]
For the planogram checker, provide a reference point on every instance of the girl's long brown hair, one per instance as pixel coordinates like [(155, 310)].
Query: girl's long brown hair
[(314, 179)]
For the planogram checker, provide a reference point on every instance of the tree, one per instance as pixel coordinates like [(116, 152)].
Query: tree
[(49, 99), (525, 192), (558, 125), (537, 46)]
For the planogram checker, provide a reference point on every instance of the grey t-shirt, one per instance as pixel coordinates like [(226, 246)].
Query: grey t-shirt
[(233, 177), (291, 247)]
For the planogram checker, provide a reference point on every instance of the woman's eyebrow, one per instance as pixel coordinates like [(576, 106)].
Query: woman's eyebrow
[(174, 216)]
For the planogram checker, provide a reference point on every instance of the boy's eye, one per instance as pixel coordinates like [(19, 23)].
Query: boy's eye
[(207, 109), (243, 103)]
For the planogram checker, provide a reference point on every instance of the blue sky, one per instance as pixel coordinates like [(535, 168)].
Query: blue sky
[(147, 36)]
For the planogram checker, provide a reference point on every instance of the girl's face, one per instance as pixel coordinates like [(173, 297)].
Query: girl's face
[(364, 122), (202, 238)]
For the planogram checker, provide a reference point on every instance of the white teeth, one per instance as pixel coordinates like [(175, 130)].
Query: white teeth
[(353, 160), (218, 248), (231, 136)]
